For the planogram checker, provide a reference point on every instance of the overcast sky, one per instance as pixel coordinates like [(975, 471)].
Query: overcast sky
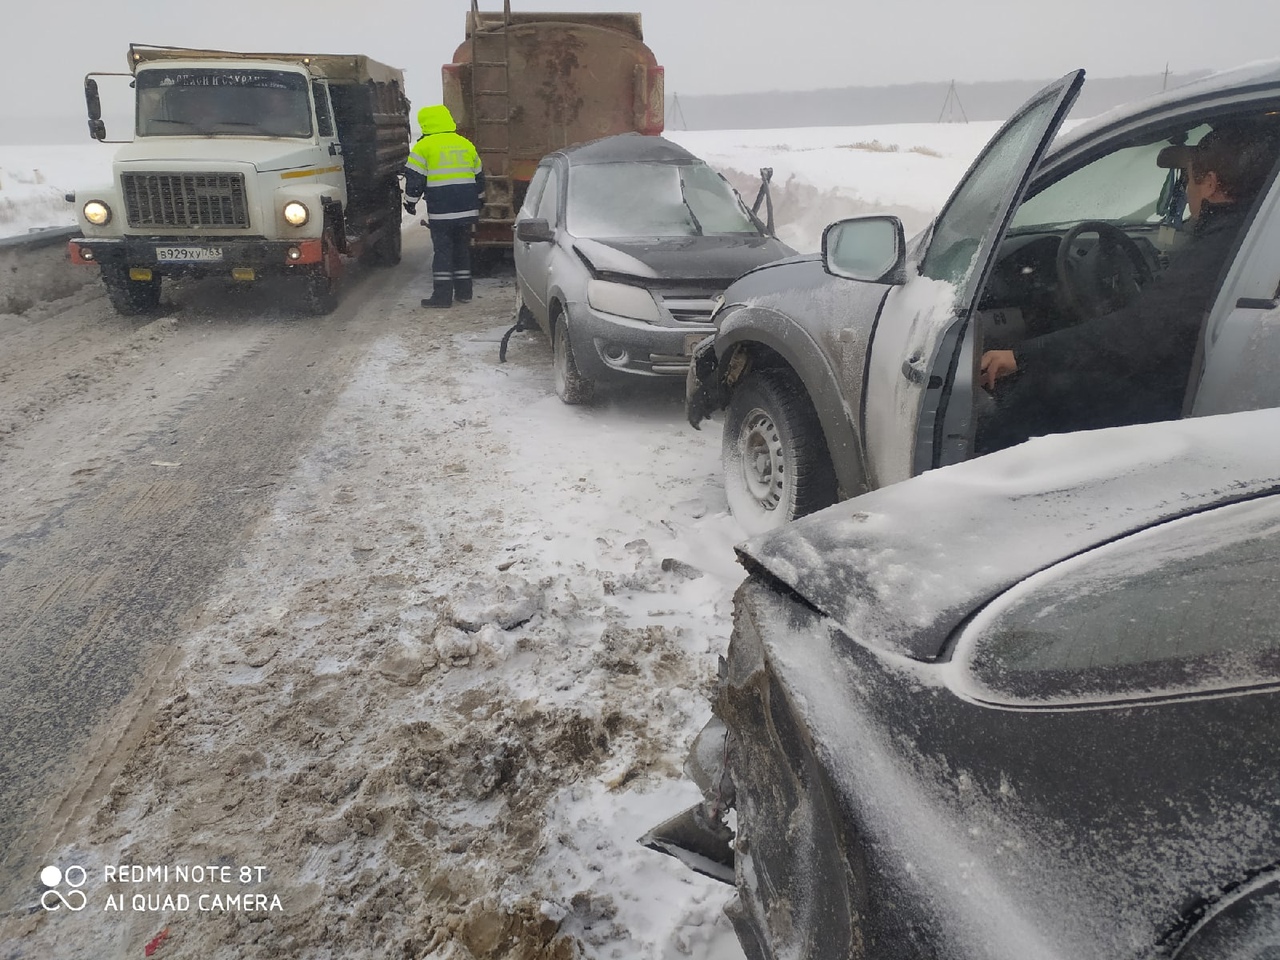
[(706, 46)]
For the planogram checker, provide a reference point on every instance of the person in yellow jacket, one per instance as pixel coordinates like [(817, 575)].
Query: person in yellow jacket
[(445, 166)]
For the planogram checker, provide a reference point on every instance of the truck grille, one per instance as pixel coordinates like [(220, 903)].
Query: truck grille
[(185, 199)]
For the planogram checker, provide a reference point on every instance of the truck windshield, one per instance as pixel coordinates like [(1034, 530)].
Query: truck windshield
[(652, 200), (222, 103)]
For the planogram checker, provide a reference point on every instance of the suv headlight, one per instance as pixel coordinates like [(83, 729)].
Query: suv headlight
[(97, 213), (296, 213), (623, 300)]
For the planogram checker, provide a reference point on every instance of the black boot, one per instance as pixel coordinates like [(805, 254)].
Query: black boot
[(462, 288), (440, 297)]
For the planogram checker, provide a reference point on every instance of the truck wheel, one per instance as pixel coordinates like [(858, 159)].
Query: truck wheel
[(320, 290), (130, 297), (386, 251), (571, 386), (775, 459), (389, 245)]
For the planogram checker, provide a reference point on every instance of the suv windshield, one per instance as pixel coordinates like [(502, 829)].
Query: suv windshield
[(653, 200), (228, 103)]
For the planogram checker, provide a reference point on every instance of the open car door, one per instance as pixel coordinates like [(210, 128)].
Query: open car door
[(922, 361), (1242, 338)]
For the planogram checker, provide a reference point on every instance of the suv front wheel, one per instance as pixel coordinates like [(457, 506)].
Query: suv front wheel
[(775, 459)]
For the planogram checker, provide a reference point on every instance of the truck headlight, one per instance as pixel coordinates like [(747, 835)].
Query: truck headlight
[(623, 300), (296, 213), (97, 212)]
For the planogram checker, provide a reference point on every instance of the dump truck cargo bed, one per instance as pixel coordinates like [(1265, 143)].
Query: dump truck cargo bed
[(524, 84)]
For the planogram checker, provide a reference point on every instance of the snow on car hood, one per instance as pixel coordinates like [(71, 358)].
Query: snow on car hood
[(211, 152), (899, 567), (720, 257)]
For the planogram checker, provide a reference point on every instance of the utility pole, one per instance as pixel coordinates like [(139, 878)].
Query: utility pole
[(1165, 85), (676, 111), (952, 103)]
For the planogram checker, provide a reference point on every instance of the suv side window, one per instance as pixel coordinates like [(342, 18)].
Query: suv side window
[(534, 193), (972, 212), (1186, 607)]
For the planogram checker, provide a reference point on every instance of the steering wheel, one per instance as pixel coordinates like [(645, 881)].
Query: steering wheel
[(1102, 278)]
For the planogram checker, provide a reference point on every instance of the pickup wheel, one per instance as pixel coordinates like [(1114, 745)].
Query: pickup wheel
[(775, 459), (571, 386), (130, 297)]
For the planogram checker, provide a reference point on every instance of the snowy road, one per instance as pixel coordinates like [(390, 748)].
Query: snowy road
[(345, 599)]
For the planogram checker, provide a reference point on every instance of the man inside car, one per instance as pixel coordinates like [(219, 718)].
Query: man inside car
[(1131, 365)]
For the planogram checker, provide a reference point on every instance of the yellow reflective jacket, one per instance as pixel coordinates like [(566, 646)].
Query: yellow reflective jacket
[(445, 166)]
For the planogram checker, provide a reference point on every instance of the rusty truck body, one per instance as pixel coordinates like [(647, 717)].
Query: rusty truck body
[(524, 84)]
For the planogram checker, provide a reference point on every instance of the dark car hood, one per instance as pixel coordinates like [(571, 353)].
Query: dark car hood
[(899, 567), (681, 258)]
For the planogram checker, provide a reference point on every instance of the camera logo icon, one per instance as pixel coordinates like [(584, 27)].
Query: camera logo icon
[(53, 898)]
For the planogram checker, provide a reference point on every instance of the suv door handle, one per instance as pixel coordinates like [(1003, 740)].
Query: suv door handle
[(913, 369)]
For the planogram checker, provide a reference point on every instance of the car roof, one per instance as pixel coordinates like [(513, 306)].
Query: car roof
[(899, 568), (624, 147), (1250, 81)]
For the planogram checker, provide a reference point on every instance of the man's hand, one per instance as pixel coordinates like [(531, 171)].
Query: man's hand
[(410, 206), (997, 364)]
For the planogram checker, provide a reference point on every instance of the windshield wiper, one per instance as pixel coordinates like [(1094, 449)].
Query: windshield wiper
[(697, 226)]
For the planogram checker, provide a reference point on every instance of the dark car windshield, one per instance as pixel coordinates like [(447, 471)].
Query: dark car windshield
[(653, 200), (228, 103)]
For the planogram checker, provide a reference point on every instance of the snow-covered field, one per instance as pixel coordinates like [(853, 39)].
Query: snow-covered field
[(819, 174)]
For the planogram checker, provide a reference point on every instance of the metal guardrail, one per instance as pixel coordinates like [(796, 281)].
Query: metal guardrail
[(36, 239)]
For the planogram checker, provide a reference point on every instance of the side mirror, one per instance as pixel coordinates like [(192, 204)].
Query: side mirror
[(91, 98), (97, 129), (534, 231), (872, 249)]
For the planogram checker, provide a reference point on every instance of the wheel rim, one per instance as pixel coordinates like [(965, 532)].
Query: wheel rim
[(763, 466)]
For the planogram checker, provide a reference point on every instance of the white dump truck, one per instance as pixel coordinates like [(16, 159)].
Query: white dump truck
[(246, 165)]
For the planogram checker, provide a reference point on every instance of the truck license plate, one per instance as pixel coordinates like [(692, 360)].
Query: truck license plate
[(189, 254)]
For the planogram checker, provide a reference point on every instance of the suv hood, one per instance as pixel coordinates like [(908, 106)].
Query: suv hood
[(720, 257), (896, 568), (195, 152)]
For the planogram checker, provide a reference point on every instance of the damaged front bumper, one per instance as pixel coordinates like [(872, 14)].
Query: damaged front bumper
[(703, 392), (700, 836)]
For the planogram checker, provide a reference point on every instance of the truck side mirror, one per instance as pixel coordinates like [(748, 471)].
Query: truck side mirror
[(91, 99), (534, 231)]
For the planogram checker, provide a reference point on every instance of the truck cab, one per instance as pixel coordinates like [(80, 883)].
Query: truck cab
[(247, 165)]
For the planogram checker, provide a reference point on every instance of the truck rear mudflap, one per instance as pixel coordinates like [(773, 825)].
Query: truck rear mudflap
[(204, 255)]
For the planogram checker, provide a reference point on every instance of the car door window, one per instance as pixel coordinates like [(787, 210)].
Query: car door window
[(549, 203), (534, 193), (1186, 607), (976, 214)]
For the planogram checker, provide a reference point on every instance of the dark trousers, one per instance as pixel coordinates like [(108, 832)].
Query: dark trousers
[(451, 260)]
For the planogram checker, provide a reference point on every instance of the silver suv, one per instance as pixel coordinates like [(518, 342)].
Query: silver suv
[(864, 365)]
